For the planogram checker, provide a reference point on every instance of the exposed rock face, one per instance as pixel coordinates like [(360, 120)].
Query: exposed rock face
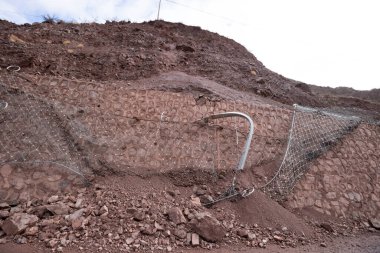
[(208, 227), (18, 222)]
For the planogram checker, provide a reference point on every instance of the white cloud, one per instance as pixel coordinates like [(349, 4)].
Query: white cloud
[(322, 42)]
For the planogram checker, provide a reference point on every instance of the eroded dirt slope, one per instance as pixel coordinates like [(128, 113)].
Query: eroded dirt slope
[(127, 51)]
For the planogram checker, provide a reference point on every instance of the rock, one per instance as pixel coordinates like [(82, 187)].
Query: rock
[(18, 222), (31, 231), (103, 211), (75, 215), (52, 243), (13, 38), (208, 227), (278, 238), (251, 236), (167, 233), (180, 233), (185, 48), (374, 223), (324, 245), (175, 215), (148, 230), (327, 227), (6, 170), (194, 239), (4, 206), (242, 233), (158, 226), (195, 201), (53, 199), (200, 192), (21, 240), (58, 209), (3, 240), (169, 248), (129, 240), (78, 203), (260, 80), (139, 216), (77, 223), (4, 214)]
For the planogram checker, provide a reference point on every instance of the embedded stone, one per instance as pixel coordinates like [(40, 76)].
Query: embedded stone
[(4, 214), (6, 170)]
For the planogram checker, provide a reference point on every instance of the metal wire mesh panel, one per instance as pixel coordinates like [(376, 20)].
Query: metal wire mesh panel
[(34, 137), (312, 133)]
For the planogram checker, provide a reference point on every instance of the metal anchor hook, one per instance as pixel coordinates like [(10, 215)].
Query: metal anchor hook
[(13, 68)]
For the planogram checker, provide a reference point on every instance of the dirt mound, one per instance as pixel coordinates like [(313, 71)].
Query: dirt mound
[(128, 51), (259, 209)]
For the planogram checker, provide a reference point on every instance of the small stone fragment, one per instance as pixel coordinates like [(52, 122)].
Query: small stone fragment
[(53, 199), (139, 216), (278, 238), (58, 209), (194, 239), (31, 231), (180, 233), (175, 215), (242, 233), (129, 240), (374, 223), (251, 236)]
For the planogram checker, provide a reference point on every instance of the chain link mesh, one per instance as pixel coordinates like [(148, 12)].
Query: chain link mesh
[(312, 133)]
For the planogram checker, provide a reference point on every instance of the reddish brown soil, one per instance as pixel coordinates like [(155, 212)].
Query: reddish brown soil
[(129, 51)]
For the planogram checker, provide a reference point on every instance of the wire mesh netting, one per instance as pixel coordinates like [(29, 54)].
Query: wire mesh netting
[(312, 133), (34, 136), (72, 130), (77, 137)]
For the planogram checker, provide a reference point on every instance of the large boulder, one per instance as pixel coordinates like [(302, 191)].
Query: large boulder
[(208, 227), (18, 222)]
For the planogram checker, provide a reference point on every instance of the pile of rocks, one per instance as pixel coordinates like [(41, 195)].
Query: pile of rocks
[(101, 220)]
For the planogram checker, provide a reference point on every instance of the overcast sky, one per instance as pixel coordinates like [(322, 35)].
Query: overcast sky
[(325, 42)]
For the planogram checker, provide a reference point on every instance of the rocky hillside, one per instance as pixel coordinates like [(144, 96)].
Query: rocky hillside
[(129, 51)]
